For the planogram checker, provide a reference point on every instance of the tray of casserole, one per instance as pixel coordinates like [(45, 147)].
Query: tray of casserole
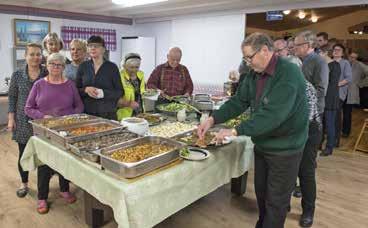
[(140, 156)]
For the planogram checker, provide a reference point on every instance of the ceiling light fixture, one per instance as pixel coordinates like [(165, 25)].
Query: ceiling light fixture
[(314, 19), (301, 14), (131, 3), (361, 33), (286, 12), (355, 32)]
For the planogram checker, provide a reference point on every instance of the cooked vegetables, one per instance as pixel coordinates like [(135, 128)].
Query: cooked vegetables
[(66, 121), (89, 129), (174, 107), (184, 152), (169, 130), (140, 152), (104, 141)]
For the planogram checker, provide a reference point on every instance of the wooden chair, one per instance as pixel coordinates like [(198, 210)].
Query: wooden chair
[(362, 132)]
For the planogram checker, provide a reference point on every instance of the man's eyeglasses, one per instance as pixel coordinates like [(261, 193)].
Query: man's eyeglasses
[(297, 45), (55, 65), (248, 59)]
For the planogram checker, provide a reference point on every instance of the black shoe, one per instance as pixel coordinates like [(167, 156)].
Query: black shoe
[(297, 192), (22, 192), (325, 153), (337, 144), (306, 220), (345, 135)]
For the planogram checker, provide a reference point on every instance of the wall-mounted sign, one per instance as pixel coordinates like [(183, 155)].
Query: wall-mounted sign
[(274, 16)]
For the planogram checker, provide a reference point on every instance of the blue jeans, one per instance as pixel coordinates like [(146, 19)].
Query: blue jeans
[(330, 117)]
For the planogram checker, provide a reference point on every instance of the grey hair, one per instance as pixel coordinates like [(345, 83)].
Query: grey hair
[(131, 59), (309, 37), (257, 40), (133, 62), (56, 57), (176, 49)]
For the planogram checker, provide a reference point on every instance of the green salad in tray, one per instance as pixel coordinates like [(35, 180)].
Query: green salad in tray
[(150, 92), (236, 121), (174, 107)]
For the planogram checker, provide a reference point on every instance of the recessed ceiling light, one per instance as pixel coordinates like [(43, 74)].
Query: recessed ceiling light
[(286, 12), (361, 33), (355, 32), (314, 19), (131, 3), (301, 14)]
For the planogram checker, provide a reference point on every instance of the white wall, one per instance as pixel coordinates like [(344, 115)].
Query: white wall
[(210, 44), (162, 32), (7, 40)]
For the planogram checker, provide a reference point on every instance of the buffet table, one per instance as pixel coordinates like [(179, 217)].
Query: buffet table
[(148, 200)]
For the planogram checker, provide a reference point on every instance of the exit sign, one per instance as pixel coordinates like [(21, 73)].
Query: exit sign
[(274, 16)]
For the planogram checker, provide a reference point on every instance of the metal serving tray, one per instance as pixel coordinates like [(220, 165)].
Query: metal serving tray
[(40, 127), (54, 135), (131, 170), (81, 151)]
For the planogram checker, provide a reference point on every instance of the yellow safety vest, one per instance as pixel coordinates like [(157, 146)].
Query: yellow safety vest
[(129, 94)]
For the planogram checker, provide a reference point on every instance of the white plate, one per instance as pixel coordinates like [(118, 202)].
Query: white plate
[(196, 154)]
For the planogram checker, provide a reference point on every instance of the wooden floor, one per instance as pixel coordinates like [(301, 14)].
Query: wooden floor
[(342, 196)]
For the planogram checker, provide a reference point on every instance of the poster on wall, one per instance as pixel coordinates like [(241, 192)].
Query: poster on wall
[(27, 31)]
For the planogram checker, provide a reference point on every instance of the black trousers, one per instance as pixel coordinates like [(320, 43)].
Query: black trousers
[(346, 118), (44, 174), (274, 181), (338, 123), (363, 94), (307, 169), (23, 174)]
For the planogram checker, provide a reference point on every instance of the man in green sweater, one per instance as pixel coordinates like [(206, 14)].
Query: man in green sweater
[(275, 93)]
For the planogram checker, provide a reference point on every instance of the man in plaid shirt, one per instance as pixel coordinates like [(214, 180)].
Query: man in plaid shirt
[(171, 78)]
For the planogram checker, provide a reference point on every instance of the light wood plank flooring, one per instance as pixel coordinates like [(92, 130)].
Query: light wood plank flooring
[(342, 196)]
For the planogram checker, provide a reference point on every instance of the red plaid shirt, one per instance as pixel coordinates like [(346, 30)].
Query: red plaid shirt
[(173, 81)]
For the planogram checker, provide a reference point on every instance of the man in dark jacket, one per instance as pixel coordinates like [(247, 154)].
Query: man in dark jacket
[(275, 93)]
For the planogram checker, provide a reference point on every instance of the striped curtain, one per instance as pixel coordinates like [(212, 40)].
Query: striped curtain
[(68, 33)]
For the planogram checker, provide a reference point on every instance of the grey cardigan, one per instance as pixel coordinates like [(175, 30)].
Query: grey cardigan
[(346, 73), (315, 70)]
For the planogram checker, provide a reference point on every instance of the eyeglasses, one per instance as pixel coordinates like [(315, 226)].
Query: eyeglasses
[(337, 49), (248, 59), (94, 45), (55, 65), (297, 45)]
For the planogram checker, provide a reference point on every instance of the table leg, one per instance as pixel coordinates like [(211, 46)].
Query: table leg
[(239, 185), (93, 211)]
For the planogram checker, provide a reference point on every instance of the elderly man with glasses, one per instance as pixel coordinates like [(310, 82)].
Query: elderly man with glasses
[(275, 93)]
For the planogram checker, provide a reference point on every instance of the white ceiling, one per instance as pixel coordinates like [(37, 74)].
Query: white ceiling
[(164, 9)]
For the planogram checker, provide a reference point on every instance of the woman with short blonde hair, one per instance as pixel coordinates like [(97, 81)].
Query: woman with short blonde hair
[(78, 52)]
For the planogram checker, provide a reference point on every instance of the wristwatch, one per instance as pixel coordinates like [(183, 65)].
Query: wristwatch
[(234, 132)]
